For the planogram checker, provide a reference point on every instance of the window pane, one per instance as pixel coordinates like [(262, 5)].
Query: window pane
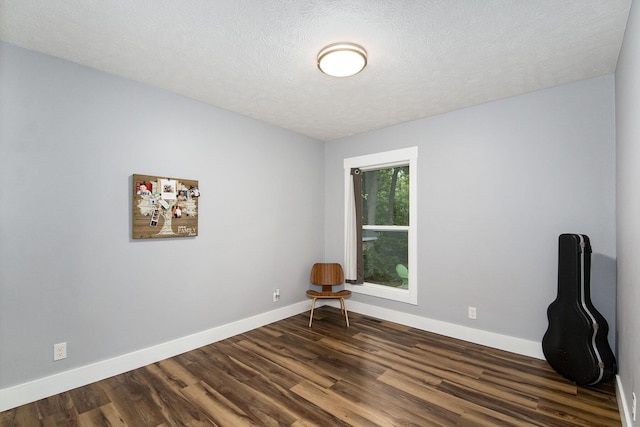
[(382, 252), (385, 196)]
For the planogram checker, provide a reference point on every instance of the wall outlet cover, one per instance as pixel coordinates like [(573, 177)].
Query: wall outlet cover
[(60, 351)]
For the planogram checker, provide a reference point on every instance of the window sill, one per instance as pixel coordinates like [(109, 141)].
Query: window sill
[(381, 291)]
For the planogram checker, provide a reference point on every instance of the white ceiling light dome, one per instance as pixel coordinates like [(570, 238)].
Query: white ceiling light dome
[(342, 59)]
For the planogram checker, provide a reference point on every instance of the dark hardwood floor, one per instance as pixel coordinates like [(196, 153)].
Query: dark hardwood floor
[(375, 373)]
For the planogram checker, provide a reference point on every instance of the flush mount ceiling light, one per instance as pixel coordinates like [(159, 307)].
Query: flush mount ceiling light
[(342, 59)]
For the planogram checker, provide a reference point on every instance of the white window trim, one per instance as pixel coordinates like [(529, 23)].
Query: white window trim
[(382, 160)]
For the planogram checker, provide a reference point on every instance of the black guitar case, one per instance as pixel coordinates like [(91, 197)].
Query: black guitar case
[(575, 344)]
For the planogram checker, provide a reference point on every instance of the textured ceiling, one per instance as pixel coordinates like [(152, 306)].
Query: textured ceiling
[(258, 57)]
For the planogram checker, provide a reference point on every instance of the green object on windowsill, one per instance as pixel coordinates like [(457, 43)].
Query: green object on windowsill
[(403, 273)]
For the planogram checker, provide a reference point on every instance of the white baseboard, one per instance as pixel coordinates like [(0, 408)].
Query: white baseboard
[(623, 408), (21, 394), (489, 339), (63, 381)]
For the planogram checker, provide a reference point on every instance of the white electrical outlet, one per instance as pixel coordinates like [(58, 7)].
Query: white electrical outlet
[(472, 313), (60, 351), (633, 406), (276, 295)]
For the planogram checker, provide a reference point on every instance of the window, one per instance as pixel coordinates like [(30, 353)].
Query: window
[(385, 242)]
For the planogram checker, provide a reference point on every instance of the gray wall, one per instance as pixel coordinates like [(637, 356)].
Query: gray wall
[(497, 184), (70, 138), (628, 206)]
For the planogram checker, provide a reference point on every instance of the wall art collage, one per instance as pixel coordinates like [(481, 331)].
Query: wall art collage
[(164, 207)]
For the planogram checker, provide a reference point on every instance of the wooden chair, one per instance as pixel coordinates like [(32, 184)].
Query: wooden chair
[(328, 275)]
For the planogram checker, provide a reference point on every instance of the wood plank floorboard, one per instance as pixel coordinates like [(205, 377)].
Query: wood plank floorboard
[(375, 373)]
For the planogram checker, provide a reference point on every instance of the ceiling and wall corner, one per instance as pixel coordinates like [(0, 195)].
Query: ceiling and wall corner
[(258, 58)]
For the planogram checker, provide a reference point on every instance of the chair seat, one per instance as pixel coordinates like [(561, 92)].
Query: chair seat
[(329, 295)]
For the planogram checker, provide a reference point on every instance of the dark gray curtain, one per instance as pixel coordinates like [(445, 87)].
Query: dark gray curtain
[(356, 176)]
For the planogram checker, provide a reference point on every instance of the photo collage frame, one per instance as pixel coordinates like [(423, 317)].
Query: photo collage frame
[(164, 207)]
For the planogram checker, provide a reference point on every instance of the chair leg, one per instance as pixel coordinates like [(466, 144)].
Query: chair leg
[(313, 303), (344, 308)]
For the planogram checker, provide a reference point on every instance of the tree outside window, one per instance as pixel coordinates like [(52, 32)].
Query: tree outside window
[(385, 209)]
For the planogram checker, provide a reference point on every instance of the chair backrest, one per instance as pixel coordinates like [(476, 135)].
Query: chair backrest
[(327, 274)]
